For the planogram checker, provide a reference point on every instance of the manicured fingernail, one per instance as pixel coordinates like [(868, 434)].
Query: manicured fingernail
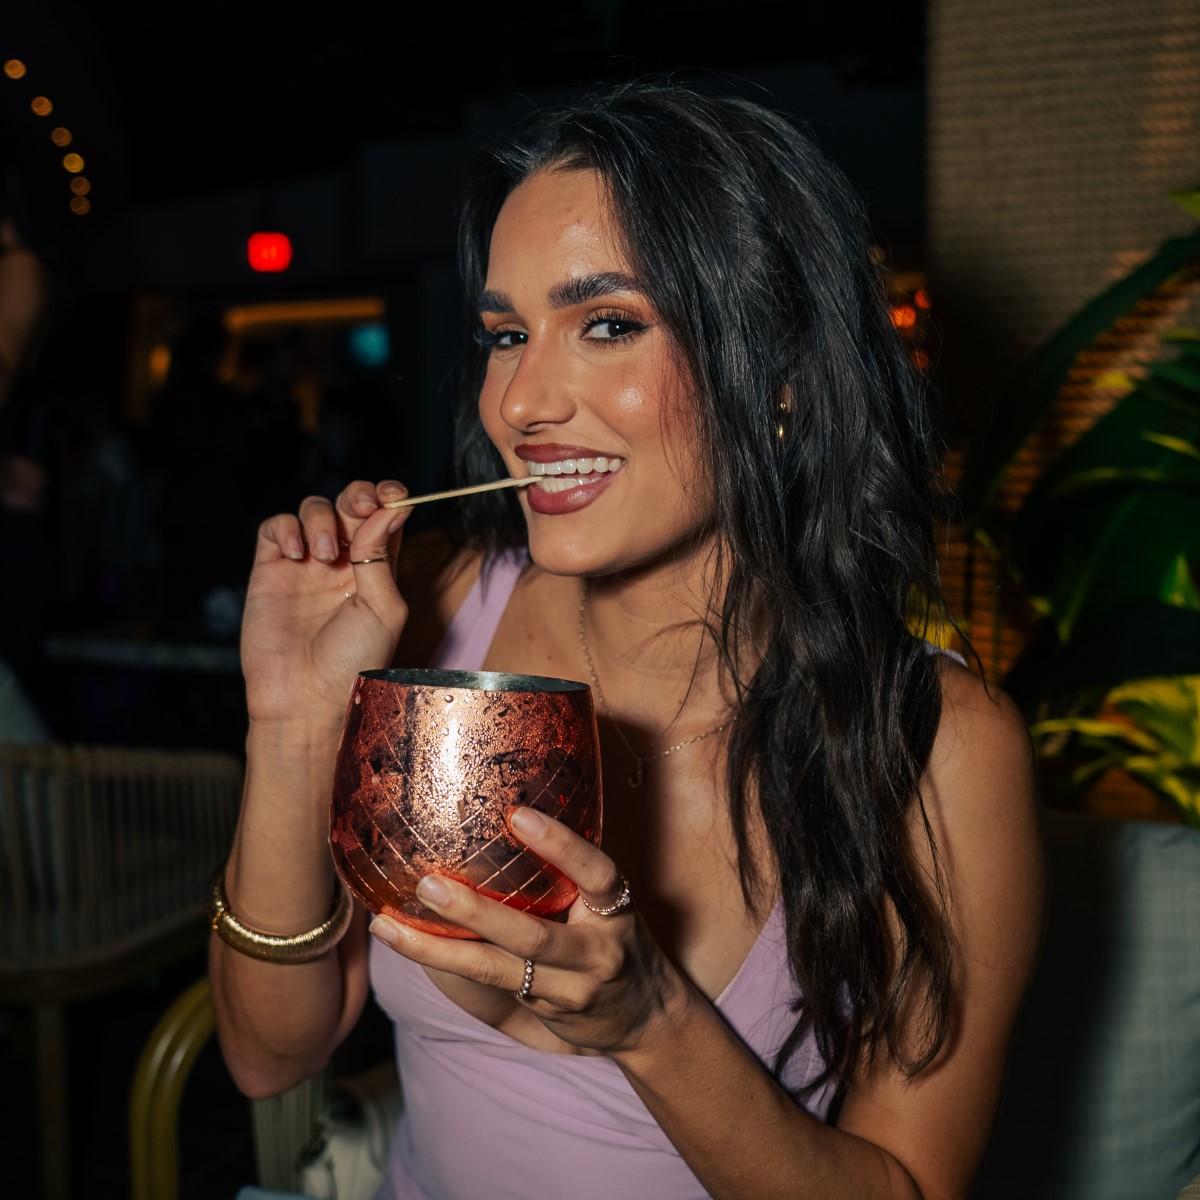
[(366, 500), (433, 891), (390, 933), (398, 520), (326, 549), (528, 822), (295, 547)]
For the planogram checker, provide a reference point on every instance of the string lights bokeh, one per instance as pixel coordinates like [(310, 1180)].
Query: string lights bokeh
[(73, 163)]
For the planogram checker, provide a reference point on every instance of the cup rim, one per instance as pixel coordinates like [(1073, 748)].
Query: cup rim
[(475, 681)]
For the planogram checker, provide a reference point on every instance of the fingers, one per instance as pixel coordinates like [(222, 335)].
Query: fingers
[(373, 552), (572, 966), (592, 870), (322, 532), (480, 961), (279, 537), (326, 530), (357, 500), (360, 499), (564, 966), (498, 924)]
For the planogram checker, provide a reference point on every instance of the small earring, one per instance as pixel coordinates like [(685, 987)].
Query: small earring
[(785, 408)]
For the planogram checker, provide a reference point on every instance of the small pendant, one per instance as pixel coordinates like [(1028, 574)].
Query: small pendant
[(635, 780)]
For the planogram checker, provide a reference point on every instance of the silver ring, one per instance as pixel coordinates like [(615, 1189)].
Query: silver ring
[(522, 993), (359, 562), (623, 901)]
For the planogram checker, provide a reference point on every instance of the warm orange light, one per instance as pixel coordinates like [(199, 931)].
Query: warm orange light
[(14, 68), (60, 136), (920, 359), (73, 163), (921, 299), (80, 205), (304, 312), (269, 251), (159, 364), (904, 316), (41, 105), (81, 185)]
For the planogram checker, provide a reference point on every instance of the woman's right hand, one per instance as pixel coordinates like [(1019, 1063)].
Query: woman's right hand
[(313, 620)]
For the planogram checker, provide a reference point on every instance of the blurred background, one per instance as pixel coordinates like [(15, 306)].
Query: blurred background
[(230, 237), (186, 389)]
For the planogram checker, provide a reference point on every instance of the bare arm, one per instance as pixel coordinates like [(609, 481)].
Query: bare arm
[(312, 621), (895, 1138)]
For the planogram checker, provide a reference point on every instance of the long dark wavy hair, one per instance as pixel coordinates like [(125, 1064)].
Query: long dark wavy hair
[(756, 254)]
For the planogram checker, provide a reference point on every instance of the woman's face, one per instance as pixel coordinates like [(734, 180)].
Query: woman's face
[(583, 387)]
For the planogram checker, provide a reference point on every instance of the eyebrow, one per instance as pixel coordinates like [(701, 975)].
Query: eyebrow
[(577, 290)]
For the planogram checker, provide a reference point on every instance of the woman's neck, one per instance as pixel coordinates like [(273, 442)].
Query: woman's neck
[(650, 637)]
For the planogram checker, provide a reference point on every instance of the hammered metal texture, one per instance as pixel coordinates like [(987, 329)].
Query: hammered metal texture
[(427, 773)]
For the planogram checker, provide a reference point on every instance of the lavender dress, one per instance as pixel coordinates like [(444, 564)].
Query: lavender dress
[(485, 1116)]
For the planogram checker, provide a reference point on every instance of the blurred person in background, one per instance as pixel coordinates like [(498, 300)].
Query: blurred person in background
[(28, 294)]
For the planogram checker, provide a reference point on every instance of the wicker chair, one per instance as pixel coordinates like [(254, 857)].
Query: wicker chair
[(104, 857)]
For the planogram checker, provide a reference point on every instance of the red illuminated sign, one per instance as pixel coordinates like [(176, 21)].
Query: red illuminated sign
[(269, 251)]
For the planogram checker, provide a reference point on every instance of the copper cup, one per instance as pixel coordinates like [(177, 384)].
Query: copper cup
[(429, 767)]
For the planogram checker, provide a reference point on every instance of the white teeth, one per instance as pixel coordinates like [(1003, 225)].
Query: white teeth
[(563, 484), (600, 464)]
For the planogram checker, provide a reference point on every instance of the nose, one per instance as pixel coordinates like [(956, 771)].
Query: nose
[(538, 392)]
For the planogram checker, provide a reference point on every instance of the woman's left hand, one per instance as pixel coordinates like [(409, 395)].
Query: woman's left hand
[(599, 982)]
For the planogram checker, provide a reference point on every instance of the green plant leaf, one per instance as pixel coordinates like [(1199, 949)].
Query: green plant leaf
[(1033, 389), (1172, 443), (1124, 476), (1188, 200), (1180, 371), (1107, 520), (1097, 728), (1168, 784), (1178, 588), (1136, 639), (1082, 777), (1168, 709)]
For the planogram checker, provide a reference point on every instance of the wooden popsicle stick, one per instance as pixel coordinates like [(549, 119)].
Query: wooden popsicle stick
[(495, 485)]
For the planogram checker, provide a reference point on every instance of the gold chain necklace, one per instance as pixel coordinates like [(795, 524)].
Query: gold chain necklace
[(640, 760)]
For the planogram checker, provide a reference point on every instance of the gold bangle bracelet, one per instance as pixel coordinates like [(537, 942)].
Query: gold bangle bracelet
[(271, 947)]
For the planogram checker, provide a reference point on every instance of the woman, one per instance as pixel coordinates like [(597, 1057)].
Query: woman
[(827, 830)]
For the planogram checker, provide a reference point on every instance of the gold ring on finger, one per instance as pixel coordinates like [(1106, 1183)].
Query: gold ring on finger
[(622, 902)]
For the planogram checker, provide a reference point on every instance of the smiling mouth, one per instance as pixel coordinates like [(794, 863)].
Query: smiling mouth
[(566, 474)]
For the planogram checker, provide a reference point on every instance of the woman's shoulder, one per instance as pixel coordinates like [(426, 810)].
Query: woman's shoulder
[(980, 726), (435, 577), (979, 790)]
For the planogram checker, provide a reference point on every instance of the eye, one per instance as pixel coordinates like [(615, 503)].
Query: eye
[(612, 327), (500, 339)]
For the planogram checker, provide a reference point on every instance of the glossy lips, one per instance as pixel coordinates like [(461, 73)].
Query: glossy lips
[(430, 765), (570, 477)]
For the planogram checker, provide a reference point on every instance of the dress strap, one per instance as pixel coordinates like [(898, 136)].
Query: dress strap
[(474, 626)]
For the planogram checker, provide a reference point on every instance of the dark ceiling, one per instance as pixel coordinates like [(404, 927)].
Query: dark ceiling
[(167, 102)]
